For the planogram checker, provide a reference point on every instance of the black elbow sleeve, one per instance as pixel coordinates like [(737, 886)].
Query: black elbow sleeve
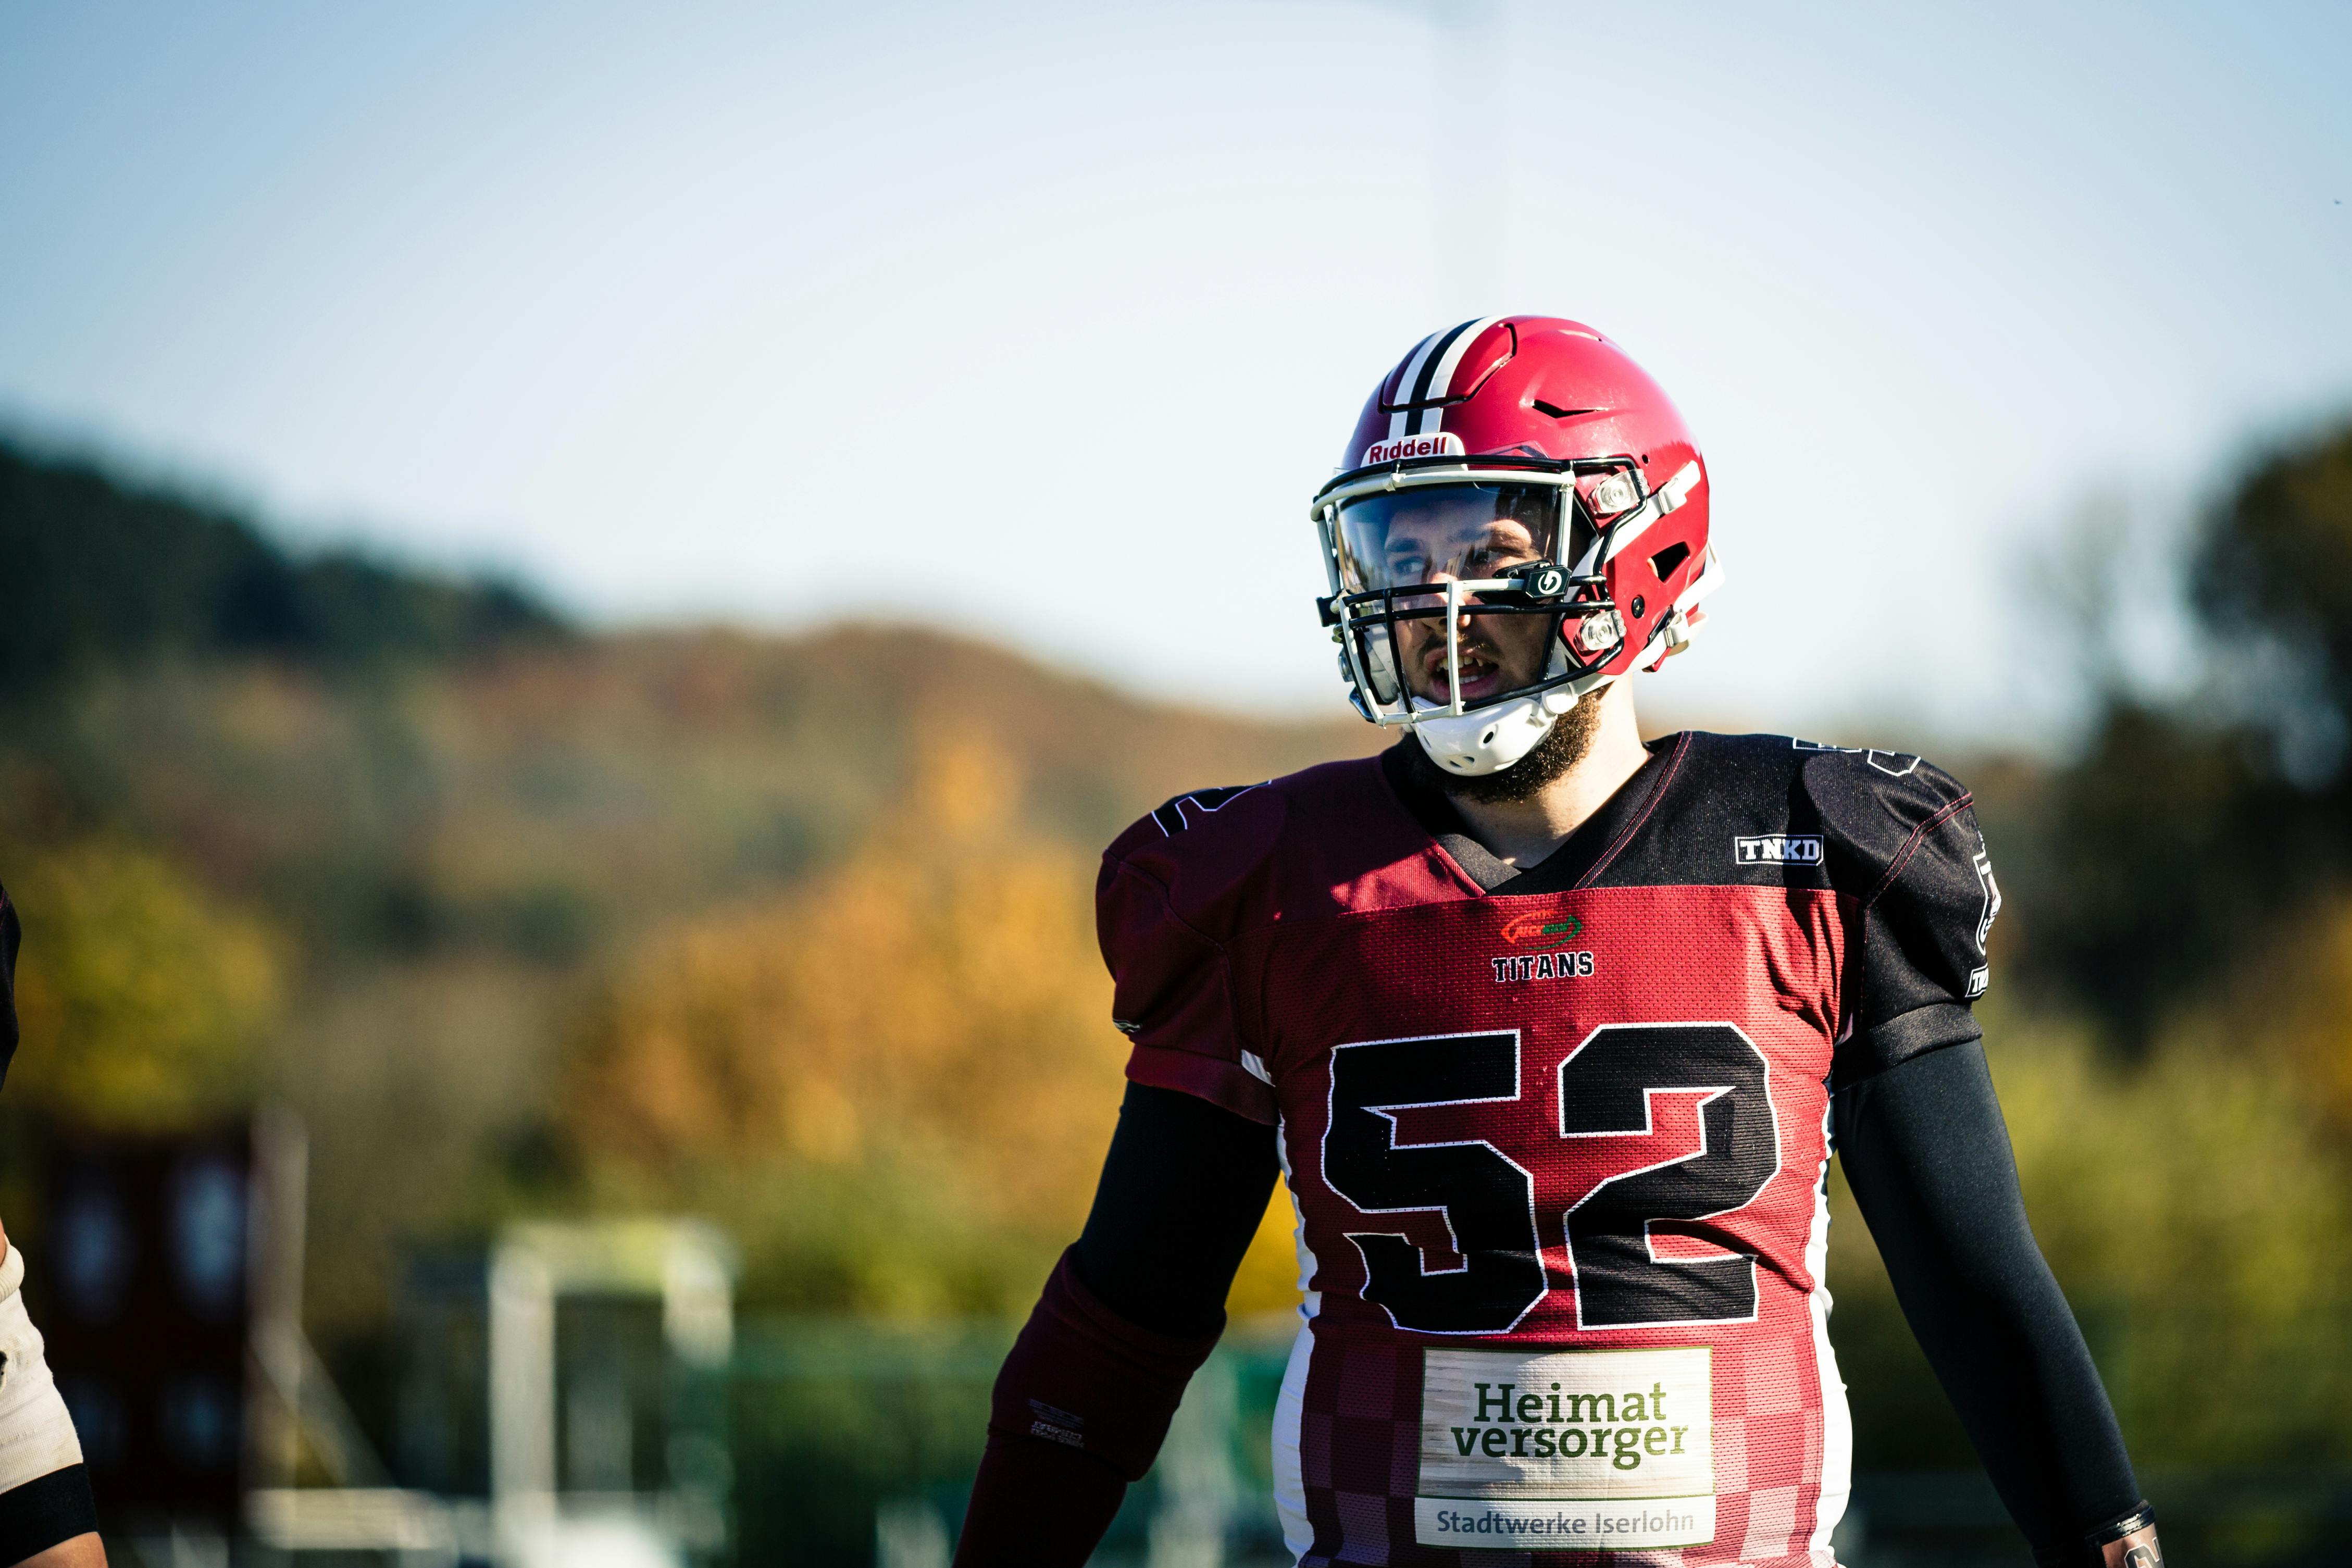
[(1928, 1155)]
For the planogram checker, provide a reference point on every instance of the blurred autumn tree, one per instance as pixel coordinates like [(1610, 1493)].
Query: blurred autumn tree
[(459, 816), (2190, 835), (2177, 1071), (143, 1002), (2194, 1203), (895, 1081)]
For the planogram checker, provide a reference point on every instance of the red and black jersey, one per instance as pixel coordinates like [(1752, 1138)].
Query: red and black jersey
[(1557, 1137)]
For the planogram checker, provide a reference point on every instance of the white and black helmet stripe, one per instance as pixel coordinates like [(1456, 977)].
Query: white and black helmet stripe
[(1448, 359), (1431, 365), (1416, 363)]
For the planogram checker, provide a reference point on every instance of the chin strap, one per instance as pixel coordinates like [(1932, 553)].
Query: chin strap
[(1488, 739), (1491, 738)]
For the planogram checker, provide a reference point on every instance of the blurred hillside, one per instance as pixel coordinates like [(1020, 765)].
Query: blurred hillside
[(100, 571), (450, 829), (795, 931)]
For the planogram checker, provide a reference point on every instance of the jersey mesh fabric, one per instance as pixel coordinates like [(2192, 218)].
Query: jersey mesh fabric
[(1576, 1118)]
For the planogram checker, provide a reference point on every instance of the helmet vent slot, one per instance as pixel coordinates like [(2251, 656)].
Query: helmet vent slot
[(1666, 560), (1540, 406)]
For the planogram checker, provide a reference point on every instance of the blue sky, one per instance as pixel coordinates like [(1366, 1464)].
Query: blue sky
[(1045, 320)]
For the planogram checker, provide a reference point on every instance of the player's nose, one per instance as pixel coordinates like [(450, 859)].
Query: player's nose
[(1440, 579)]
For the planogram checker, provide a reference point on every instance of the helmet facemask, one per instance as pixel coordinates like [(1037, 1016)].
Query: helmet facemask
[(1460, 589)]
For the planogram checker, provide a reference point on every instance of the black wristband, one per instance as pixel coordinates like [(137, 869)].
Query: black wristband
[(44, 1512), (2098, 1547)]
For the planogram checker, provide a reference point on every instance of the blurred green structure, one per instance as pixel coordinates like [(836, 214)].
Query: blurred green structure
[(565, 1392), (857, 1442)]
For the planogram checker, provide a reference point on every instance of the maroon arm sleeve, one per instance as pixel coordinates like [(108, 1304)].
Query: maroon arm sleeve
[(1080, 1411), (1181, 1192), (1132, 1310), (1035, 1506)]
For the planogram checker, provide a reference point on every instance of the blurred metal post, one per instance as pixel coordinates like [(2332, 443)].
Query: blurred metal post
[(910, 1533), (291, 1400), (535, 1518), (276, 1241), (522, 1402), (1198, 1488)]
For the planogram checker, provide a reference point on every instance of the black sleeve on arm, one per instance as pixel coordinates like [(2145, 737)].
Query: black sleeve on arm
[(1086, 1394), (1182, 1194), (1928, 1158)]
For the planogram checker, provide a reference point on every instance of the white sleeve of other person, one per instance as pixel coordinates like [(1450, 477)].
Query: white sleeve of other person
[(37, 1434)]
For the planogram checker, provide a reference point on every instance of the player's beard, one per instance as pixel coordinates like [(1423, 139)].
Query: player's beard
[(1562, 747)]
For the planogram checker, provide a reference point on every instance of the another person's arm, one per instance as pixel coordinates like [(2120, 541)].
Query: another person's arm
[(1928, 1158), (47, 1519), (84, 1551), (1132, 1310)]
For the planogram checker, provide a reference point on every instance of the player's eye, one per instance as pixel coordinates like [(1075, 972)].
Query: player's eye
[(1491, 555)]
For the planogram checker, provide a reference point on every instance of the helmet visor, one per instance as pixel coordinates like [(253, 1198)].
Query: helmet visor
[(1397, 552), (1421, 537)]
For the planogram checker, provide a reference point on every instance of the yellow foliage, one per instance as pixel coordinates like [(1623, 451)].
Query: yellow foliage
[(2199, 1179), (2293, 1004), (2193, 1209), (143, 1003), (926, 1027), (1268, 1279)]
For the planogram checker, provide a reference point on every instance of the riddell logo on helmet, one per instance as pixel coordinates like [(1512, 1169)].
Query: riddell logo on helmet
[(1436, 444)]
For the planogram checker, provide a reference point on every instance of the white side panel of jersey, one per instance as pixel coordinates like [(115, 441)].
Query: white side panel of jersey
[(1306, 1265), (1289, 1480), (1290, 1404), (1837, 1421)]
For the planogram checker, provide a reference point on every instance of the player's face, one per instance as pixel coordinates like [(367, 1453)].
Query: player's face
[(1429, 537)]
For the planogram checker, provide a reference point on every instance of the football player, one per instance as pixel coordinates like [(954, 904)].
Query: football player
[(1552, 1034), (46, 1517)]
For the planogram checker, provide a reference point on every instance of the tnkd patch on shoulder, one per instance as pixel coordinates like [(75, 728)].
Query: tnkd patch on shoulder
[(1777, 850), (1591, 1450)]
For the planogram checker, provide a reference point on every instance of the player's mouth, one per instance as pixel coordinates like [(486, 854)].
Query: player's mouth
[(1482, 674)]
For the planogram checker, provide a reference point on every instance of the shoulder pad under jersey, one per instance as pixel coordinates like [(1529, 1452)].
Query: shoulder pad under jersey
[(1173, 888), (1903, 841)]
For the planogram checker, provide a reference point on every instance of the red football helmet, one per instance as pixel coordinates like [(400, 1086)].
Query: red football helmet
[(1514, 466)]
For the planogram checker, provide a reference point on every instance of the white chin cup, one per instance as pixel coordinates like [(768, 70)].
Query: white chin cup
[(1488, 739)]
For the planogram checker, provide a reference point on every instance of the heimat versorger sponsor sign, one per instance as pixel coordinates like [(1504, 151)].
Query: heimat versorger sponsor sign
[(1592, 1449)]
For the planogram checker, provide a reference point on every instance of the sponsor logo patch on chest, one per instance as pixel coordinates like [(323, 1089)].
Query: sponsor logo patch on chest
[(1777, 850), (1544, 924), (1606, 1451)]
